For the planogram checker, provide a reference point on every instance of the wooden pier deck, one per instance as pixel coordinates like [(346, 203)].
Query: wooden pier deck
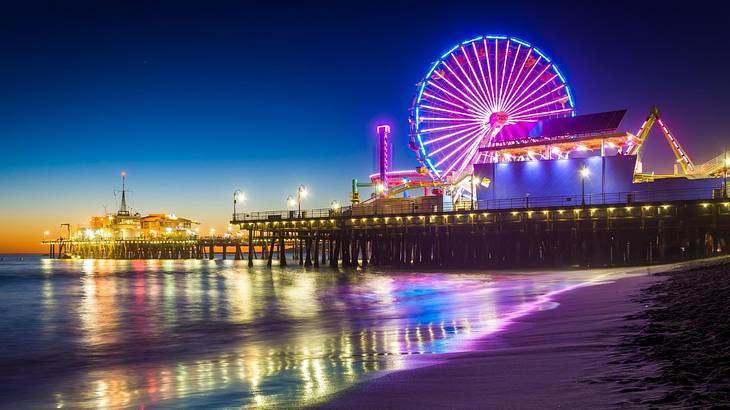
[(632, 233)]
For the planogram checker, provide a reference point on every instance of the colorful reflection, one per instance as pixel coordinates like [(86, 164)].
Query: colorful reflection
[(214, 334)]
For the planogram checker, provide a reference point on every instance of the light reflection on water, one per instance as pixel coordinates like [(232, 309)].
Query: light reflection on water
[(103, 333)]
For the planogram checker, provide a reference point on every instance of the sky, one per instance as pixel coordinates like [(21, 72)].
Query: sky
[(196, 99)]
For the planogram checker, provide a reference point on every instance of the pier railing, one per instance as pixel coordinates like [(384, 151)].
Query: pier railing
[(608, 198)]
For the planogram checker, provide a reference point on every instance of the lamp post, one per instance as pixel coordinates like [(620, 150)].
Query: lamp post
[(474, 181), (238, 195), (724, 176), (584, 173), (301, 194)]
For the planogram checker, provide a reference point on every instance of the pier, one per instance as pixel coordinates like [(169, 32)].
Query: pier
[(203, 248), (623, 230), (608, 230)]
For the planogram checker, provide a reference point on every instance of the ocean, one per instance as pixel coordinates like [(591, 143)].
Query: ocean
[(214, 334)]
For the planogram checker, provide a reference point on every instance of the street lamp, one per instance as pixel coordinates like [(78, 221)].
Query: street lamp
[(212, 231), (584, 173), (238, 195), (724, 176), (335, 206), (45, 234), (301, 194), (475, 180)]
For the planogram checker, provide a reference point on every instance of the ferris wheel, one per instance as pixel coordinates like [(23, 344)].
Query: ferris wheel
[(482, 92)]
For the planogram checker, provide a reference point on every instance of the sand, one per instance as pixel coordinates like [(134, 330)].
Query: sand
[(578, 355), (682, 340)]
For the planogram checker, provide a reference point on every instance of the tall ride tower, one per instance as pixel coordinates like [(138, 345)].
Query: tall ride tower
[(123, 210)]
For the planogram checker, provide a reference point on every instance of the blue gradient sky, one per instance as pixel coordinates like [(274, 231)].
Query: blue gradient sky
[(196, 100)]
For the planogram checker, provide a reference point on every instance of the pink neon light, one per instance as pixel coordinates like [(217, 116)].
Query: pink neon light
[(482, 84), (475, 89)]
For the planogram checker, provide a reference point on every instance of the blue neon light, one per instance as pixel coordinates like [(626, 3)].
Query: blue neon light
[(570, 99), (433, 68), (495, 37), (560, 75), (433, 167), (541, 54), (518, 41), (472, 40), (450, 51), (420, 143)]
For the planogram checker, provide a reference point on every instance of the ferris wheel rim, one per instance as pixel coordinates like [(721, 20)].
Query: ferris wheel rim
[(476, 100)]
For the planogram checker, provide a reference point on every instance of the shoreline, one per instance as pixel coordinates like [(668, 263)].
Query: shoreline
[(546, 359)]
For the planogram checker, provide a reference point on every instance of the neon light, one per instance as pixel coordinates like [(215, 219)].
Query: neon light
[(471, 67), (522, 42), (460, 103), (486, 105), (483, 84), (560, 75), (479, 109), (476, 103), (443, 137), (444, 101), (570, 99), (489, 68), (544, 57), (472, 40), (451, 111), (446, 54)]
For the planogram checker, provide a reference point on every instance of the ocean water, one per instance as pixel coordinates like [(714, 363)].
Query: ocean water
[(214, 334)]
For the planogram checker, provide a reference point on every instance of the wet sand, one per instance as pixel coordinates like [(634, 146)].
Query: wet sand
[(544, 360), (573, 356)]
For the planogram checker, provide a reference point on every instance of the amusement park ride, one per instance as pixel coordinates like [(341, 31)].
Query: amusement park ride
[(498, 99)]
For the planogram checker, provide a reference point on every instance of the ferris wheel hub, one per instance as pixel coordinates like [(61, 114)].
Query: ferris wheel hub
[(498, 118)]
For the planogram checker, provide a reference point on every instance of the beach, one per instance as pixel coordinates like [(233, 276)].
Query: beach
[(603, 346)]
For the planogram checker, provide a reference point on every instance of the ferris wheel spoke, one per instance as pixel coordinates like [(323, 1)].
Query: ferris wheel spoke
[(476, 136), (463, 113), (428, 95), (452, 95), (446, 127), (534, 80), (542, 114), (477, 88), (518, 106), (454, 142), (520, 87), (503, 99), (504, 74), (450, 135), (483, 84), (545, 104), (513, 89), (489, 69), (465, 155), (479, 103), (496, 67)]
